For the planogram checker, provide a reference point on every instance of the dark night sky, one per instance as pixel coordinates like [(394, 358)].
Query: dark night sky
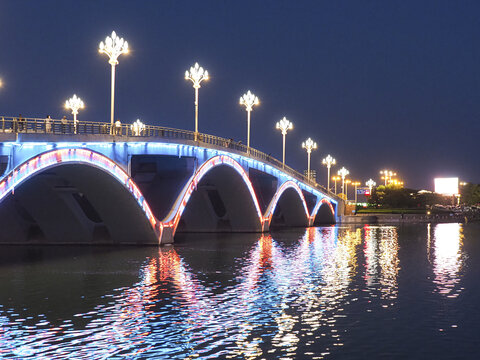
[(377, 84)]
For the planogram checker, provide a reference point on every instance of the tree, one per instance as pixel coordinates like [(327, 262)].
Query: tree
[(470, 194)]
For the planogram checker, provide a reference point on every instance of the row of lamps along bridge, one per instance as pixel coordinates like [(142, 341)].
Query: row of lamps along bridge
[(115, 46)]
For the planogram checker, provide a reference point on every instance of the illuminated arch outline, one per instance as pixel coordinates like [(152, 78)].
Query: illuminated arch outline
[(317, 206), (173, 218), (273, 204), (74, 155)]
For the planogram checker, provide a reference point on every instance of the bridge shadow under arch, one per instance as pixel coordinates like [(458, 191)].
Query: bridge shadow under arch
[(288, 208), (218, 198), (73, 196), (325, 213)]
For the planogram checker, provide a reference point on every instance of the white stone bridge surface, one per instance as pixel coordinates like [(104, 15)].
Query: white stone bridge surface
[(83, 182)]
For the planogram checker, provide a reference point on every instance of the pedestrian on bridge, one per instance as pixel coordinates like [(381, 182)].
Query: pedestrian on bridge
[(48, 124), (64, 123), (21, 123), (118, 127)]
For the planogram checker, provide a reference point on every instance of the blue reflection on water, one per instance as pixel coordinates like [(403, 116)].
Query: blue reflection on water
[(288, 297)]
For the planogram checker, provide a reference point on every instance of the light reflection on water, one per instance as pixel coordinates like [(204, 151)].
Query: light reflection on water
[(448, 257), (319, 294)]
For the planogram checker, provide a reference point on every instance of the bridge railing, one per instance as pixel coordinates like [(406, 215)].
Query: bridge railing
[(19, 125)]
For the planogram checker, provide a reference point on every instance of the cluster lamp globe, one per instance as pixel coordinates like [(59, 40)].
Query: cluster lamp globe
[(309, 145), (284, 125), (113, 46), (249, 100), (343, 173), (328, 162), (74, 104), (370, 183), (387, 175), (196, 75)]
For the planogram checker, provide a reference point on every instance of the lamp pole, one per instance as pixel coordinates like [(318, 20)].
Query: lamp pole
[(309, 145), (114, 46), (249, 100), (336, 178), (370, 183), (343, 173), (74, 104), (328, 162), (196, 75), (355, 183), (387, 175), (347, 181), (284, 125)]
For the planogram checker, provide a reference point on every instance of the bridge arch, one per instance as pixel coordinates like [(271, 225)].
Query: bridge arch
[(72, 195), (222, 183), (288, 196), (323, 213)]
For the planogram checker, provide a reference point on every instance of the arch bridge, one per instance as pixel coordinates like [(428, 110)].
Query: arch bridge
[(66, 182)]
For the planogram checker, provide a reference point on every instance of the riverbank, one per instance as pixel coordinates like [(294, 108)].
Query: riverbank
[(407, 218)]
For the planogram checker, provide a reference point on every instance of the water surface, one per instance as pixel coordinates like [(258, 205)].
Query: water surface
[(408, 291)]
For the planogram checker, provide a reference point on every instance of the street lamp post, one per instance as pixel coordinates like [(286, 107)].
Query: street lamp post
[(343, 173), (284, 125), (114, 46), (347, 181), (309, 145), (196, 75), (370, 183), (328, 162), (356, 183), (248, 99), (387, 175), (336, 178), (74, 104)]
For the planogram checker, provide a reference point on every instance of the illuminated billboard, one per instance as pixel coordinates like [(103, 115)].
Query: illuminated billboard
[(446, 186)]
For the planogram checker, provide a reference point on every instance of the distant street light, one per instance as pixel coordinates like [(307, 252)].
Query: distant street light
[(347, 181), (343, 173), (309, 145), (249, 100), (284, 125), (396, 182), (387, 175), (113, 47), (336, 178), (328, 162), (356, 183), (370, 183), (196, 74), (74, 104)]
